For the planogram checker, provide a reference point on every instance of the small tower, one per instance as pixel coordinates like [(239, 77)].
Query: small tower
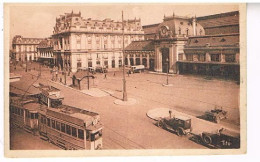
[(194, 24)]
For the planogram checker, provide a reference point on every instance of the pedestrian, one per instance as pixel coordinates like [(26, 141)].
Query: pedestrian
[(114, 74), (105, 77), (128, 72), (56, 75)]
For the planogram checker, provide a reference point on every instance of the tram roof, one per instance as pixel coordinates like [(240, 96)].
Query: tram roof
[(73, 115), (32, 106)]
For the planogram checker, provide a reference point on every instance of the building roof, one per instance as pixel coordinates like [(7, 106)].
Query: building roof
[(18, 39), (214, 40), (46, 43), (140, 46), (223, 19)]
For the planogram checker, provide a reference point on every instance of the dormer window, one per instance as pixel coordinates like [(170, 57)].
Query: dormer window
[(223, 40)]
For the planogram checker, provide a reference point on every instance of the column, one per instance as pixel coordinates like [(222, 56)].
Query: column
[(141, 59), (171, 59), (222, 57), (208, 57), (148, 61), (134, 60)]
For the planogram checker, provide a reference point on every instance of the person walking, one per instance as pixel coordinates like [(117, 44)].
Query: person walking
[(114, 74), (105, 77)]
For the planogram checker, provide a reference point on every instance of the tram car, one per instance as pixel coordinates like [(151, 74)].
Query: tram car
[(71, 128), (24, 113), (66, 126)]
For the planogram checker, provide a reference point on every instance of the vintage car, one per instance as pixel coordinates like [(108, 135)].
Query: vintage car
[(101, 69), (223, 138), (216, 115), (181, 125)]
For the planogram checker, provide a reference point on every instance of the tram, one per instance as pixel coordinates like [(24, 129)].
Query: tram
[(69, 127)]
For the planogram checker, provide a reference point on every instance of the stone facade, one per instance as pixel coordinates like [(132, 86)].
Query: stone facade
[(82, 43), (25, 49), (169, 38), (45, 52)]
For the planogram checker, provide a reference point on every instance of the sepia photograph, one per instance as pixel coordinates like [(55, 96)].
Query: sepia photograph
[(124, 79)]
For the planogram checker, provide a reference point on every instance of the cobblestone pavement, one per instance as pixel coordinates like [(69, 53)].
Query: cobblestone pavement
[(128, 127)]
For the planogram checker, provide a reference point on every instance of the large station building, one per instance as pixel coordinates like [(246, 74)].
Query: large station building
[(82, 43), (203, 45)]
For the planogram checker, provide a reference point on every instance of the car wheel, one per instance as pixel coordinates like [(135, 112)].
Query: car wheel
[(160, 124), (207, 139), (180, 132)]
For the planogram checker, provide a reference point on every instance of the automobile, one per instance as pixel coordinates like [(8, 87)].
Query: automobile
[(101, 69), (137, 69), (222, 138), (91, 70), (216, 115), (181, 125)]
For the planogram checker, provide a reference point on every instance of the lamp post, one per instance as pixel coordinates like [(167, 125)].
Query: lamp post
[(167, 63), (124, 81)]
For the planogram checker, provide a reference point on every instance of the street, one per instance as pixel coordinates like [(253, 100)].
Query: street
[(128, 127)]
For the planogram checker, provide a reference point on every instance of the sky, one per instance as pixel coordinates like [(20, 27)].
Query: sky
[(38, 20)]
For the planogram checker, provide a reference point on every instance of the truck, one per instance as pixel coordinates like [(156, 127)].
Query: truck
[(181, 125), (137, 69)]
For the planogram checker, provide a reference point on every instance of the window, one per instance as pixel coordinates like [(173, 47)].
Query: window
[(53, 124), (74, 131), (48, 122), (68, 129), (230, 58), (189, 57), (63, 127), (41, 119), (215, 57), (181, 23), (80, 134), (58, 125), (202, 57), (32, 115)]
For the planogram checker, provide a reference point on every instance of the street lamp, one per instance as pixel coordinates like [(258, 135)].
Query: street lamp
[(124, 81)]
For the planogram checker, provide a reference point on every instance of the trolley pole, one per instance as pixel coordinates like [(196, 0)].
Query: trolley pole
[(124, 81)]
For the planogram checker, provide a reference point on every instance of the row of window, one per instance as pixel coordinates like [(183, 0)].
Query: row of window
[(213, 57), (20, 112), (72, 131)]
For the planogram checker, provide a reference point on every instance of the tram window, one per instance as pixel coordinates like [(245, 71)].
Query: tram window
[(18, 111), (32, 116), (80, 134), (41, 119), (74, 131), (22, 111), (12, 109), (15, 110), (48, 122), (36, 116), (63, 127), (58, 125), (44, 120), (53, 124), (68, 129)]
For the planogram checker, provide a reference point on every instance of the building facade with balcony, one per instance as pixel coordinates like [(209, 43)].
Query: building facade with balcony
[(45, 52), (82, 43), (25, 49)]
